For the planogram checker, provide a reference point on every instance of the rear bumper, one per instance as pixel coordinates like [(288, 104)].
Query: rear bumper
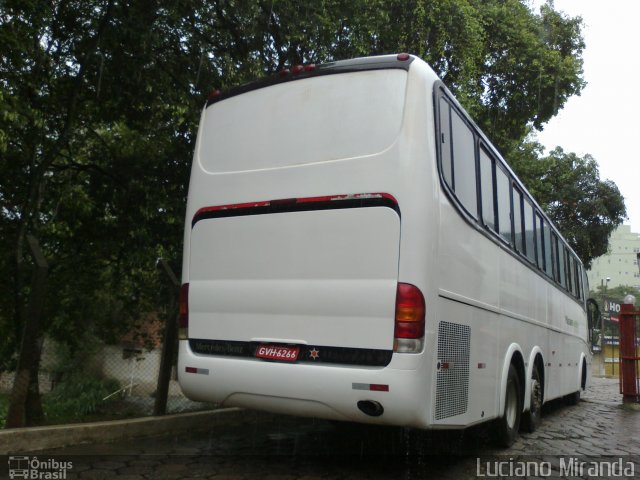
[(322, 391)]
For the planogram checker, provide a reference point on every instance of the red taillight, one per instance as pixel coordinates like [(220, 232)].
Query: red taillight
[(297, 69), (403, 57), (410, 312), (183, 319), (214, 94)]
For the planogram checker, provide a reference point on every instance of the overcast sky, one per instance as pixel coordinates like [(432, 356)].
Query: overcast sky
[(604, 119)]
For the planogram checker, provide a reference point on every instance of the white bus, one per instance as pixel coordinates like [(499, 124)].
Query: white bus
[(356, 249)]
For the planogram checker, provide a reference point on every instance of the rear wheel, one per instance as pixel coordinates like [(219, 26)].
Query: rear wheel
[(533, 417), (508, 425)]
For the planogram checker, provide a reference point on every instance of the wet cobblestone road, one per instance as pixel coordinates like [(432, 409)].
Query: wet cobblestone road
[(273, 447)]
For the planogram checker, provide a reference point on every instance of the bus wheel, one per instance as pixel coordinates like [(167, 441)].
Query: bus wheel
[(508, 425), (533, 417)]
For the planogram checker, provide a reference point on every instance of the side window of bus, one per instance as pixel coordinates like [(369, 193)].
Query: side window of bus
[(578, 280), (573, 273), (445, 142), (487, 189), (464, 164), (529, 232), (569, 265), (554, 257), (539, 236), (504, 204), (517, 220), (548, 255), (562, 263)]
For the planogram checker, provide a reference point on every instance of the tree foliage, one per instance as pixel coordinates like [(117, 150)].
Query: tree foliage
[(568, 187)]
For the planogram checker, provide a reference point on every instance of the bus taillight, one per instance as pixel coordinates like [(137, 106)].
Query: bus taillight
[(410, 319), (183, 318)]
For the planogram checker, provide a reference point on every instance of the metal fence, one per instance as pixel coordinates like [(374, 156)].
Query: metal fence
[(131, 377), (116, 381)]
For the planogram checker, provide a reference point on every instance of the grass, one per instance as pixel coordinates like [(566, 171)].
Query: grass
[(79, 399)]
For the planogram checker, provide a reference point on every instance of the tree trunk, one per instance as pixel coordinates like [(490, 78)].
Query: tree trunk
[(34, 415), (169, 344), (25, 384)]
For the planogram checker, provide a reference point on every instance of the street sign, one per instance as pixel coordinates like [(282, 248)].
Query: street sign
[(612, 307)]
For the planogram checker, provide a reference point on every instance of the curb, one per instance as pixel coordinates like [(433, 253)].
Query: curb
[(17, 440)]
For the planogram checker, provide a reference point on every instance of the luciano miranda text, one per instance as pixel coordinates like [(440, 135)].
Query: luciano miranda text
[(570, 467)]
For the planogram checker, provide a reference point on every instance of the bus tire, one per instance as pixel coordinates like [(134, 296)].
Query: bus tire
[(531, 419), (508, 425)]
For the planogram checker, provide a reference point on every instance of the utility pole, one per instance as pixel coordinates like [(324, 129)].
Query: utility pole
[(604, 312)]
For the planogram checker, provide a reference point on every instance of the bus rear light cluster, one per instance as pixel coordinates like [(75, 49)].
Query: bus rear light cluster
[(410, 319), (271, 206), (296, 69), (183, 318)]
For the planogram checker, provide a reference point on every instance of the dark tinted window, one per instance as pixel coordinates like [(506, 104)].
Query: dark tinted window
[(504, 204), (562, 265), (570, 278), (529, 232), (548, 257), (575, 271), (445, 143), (464, 164), (487, 189), (578, 275), (540, 251), (554, 256), (518, 234)]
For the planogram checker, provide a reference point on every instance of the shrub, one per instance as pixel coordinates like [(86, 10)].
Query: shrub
[(79, 394), (81, 387)]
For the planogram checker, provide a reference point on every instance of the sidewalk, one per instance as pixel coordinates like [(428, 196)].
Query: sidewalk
[(603, 390)]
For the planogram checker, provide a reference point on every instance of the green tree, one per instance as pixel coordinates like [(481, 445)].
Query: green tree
[(98, 113), (533, 65), (568, 187)]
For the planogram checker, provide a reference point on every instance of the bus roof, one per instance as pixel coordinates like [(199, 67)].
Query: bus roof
[(298, 72)]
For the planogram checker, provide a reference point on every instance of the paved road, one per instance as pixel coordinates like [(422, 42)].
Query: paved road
[(273, 447)]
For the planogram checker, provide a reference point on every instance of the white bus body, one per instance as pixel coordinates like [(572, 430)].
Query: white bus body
[(319, 202)]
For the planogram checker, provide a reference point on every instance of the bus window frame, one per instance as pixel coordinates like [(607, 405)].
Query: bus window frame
[(476, 221)]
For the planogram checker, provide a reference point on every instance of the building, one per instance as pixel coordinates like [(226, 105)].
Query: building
[(620, 264)]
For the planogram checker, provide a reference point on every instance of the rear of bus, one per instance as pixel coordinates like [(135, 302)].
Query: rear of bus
[(296, 296)]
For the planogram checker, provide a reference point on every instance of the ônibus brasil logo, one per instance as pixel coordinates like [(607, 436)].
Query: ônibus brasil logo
[(34, 468)]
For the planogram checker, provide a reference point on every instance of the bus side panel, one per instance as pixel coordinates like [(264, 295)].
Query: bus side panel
[(468, 277)]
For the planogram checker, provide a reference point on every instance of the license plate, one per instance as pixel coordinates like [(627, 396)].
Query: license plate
[(278, 352)]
